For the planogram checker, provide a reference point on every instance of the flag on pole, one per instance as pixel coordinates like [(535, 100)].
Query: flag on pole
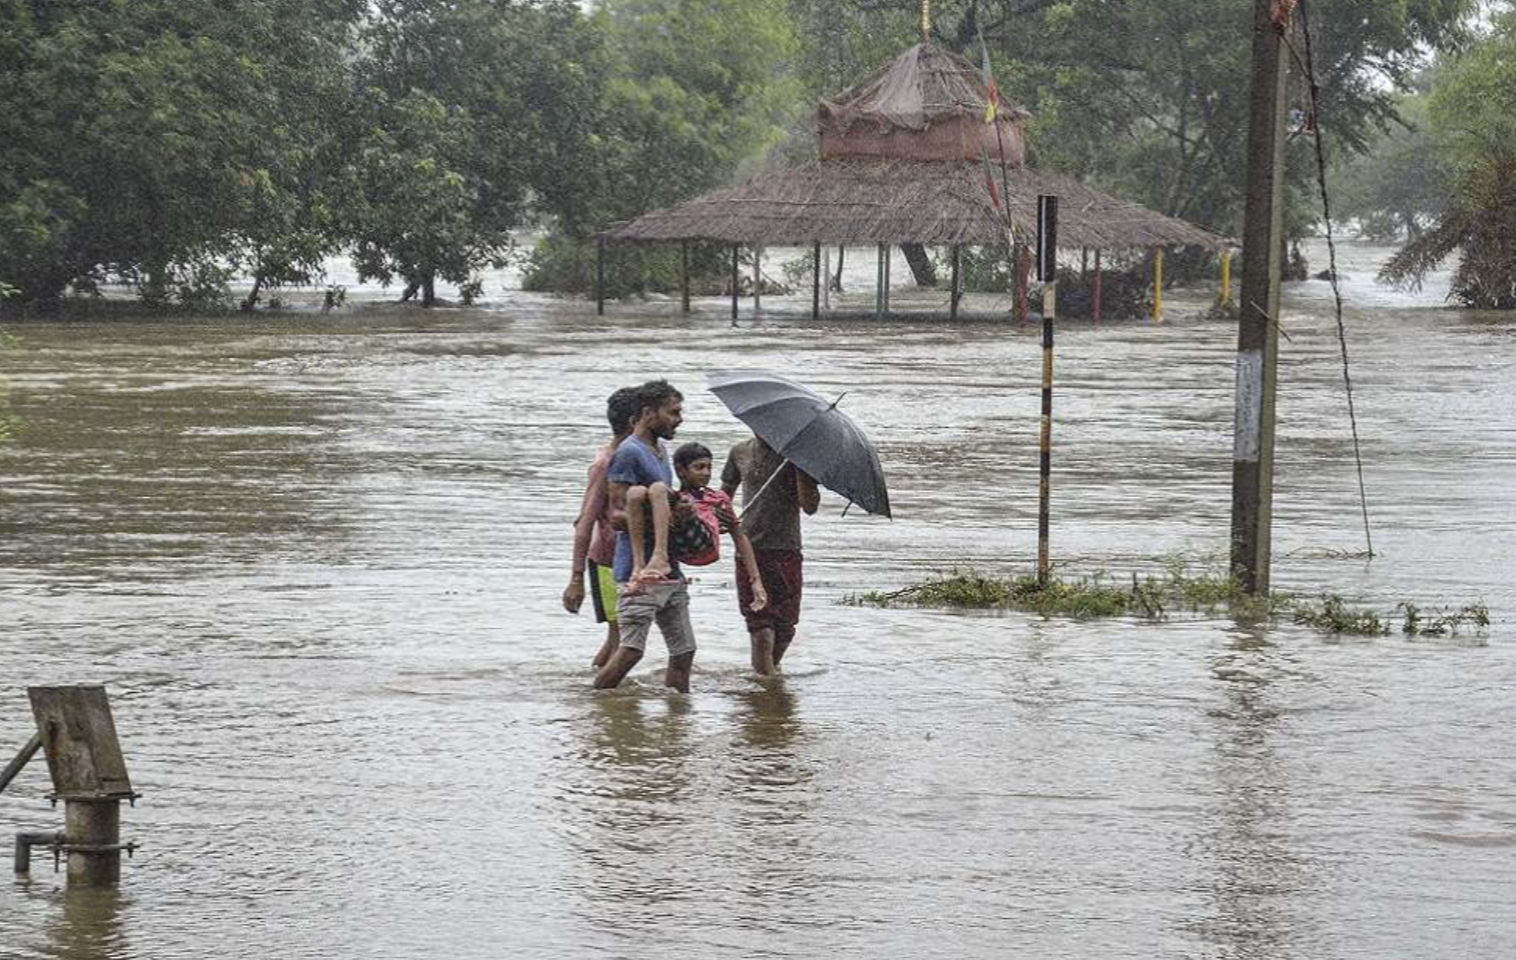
[(991, 91), (989, 180)]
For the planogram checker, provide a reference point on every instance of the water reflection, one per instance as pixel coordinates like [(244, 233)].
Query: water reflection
[(1257, 872), (89, 927)]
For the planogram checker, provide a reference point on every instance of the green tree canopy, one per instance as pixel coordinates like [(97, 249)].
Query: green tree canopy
[(1473, 113)]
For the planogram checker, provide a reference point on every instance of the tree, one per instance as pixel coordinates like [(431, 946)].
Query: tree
[(134, 137), (690, 94), (471, 120), (1473, 111), (1399, 182)]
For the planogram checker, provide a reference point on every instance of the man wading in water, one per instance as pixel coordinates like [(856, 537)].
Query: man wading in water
[(773, 525), (639, 462)]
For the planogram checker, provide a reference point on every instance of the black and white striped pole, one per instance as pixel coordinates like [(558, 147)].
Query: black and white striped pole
[(1047, 272)]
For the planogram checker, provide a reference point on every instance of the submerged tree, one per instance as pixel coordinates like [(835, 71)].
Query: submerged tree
[(1474, 112)]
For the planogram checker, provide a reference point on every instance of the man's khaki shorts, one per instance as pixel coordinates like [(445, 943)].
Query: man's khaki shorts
[(667, 604)]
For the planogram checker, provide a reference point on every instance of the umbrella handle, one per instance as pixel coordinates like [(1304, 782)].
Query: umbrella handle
[(748, 504)]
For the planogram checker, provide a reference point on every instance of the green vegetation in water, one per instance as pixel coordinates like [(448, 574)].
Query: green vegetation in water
[(1153, 597)]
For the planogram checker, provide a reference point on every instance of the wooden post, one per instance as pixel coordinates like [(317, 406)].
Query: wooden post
[(735, 282), (1158, 285), (1095, 305), (757, 278), (826, 279), (1047, 271), (816, 281), (879, 282), (1023, 284), (885, 251), (684, 276), (1225, 300), (1258, 329), (600, 276), (957, 279)]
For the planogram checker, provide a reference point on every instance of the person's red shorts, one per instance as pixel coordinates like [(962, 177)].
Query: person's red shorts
[(781, 574)]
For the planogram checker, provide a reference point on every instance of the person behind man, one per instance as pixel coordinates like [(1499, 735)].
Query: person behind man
[(639, 461), (594, 535), (772, 522)]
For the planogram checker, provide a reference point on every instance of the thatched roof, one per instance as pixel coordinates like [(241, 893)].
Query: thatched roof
[(879, 200), (901, 162), (926, 104)]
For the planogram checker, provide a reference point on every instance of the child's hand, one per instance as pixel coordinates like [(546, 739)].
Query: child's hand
[(760, 596)]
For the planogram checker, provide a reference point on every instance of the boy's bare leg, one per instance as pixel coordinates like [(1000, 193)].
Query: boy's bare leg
[(764, 660), (678, 673), (616, 669), (658, 499), (636, 516), (612, 640)]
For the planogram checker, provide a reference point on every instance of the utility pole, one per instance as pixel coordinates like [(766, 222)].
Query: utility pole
[(1258, 329)]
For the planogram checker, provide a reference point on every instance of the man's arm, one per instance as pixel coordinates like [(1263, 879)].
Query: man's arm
[(731, 474), (584, 531), (806, 492), (749, 561), (589, 512)]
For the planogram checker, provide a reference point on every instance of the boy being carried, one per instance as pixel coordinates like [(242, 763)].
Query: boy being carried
[(688, 524)]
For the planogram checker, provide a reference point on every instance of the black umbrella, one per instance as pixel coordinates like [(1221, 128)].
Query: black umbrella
[(810, 432)]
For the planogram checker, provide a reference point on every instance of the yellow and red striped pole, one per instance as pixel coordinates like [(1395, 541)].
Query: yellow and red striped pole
[(1158, 286)]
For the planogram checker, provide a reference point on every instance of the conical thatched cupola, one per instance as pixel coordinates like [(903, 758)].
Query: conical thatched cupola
[(926, 104)]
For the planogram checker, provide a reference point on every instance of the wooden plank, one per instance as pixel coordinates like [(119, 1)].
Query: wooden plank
[(79, 739)]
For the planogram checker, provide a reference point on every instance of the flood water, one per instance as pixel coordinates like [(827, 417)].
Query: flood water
[(318, 561)]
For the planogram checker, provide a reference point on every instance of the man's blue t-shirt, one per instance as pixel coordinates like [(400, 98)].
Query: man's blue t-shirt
[(638, 465)]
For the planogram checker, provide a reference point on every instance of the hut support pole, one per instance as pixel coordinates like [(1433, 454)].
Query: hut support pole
[(879, 282), (826, 274), (1158, 285), (736, 248), (600, 276), (1095, 300), (957, 270), (1225, 300), (684, 276), (816, 281), (1257, 331), (757, 278), (885, 251), (1023, 284)]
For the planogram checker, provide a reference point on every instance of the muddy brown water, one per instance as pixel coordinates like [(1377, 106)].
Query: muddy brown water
[(317, 560)]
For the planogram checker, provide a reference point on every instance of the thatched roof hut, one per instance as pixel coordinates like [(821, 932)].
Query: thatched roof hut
[(901, 162)]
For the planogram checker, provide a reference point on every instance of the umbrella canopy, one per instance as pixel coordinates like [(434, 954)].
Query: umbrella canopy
[(810, 432)]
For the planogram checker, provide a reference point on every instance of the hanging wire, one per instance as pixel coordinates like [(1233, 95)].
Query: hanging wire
[(1314, 128)]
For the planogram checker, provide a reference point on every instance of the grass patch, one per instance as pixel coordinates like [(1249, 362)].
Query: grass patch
[(1177, 589)]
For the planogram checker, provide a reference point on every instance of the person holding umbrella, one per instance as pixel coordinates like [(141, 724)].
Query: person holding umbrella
[(799, 440), (772, 522)]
